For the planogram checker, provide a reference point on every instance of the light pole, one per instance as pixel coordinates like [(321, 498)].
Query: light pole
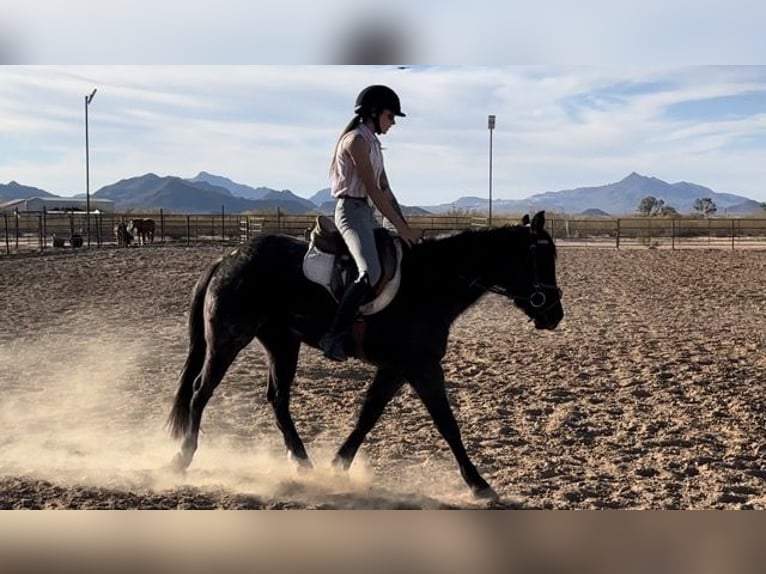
[(491, 126), (88, 100)]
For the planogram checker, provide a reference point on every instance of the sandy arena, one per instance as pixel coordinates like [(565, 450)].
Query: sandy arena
[(651, 394)]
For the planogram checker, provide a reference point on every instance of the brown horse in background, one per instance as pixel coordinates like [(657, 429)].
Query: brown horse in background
[(142, 229)]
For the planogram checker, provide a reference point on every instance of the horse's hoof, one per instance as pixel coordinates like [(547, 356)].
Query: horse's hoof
[(486, 493), (340, 464), (303, 465), (179, 464)]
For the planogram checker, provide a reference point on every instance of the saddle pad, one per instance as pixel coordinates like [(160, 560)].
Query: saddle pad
[(318, 266), (389, 290)]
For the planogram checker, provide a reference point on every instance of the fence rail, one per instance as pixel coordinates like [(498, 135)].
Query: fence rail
[(51, 230)]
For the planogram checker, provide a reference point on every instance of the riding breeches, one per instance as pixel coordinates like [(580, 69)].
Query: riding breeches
[(356, 221)]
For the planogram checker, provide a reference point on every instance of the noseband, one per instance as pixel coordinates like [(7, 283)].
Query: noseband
[(538, 298)]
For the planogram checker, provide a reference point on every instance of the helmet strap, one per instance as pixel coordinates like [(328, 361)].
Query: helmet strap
[(376, 122)]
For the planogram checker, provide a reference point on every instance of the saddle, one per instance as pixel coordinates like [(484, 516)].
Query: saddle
[(329, 263)]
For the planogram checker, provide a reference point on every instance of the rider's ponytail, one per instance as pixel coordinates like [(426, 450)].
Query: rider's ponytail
[(351, 126)]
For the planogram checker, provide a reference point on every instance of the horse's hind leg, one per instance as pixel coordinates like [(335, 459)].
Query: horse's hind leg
[(214, 368), (383, 388), (282, 349), (428, 382)]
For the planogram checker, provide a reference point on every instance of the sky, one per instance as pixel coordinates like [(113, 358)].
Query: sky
[(584, 93)]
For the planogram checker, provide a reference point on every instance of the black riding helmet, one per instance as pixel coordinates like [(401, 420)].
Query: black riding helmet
[(374, 99)]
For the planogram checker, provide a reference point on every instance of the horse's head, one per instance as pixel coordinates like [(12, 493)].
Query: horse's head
[(535, 290)]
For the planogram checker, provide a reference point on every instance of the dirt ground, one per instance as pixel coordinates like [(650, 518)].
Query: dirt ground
[(650, 394)]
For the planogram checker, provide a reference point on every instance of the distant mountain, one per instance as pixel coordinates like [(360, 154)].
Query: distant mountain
[(14, 190), (465, 203), (747, 207), (289, 196), (620, 198), (184, 196), (321, 196), (594, 212), (624, 196), (207, 193), (173, 193), (270, 196), (236, 189)]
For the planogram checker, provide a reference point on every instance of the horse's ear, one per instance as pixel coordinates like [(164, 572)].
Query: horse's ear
[(525, 219), (538, 221)]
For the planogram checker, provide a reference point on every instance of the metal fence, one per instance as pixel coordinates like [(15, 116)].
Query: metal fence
[(54, 230), (652, 232), (51, 230), (660, 232)]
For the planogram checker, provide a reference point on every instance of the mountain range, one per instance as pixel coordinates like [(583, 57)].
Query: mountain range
[(620, 198), (208, 193), (15, 190)]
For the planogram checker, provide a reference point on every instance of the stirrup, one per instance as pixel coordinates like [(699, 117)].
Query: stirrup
[(333, 347)]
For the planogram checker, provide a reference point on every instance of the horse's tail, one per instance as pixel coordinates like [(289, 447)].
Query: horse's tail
[(178, 420)]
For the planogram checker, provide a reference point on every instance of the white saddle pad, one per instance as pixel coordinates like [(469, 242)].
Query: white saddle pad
[(318, 267)]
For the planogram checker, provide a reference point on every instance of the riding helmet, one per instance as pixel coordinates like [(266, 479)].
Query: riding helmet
[(376, 98)]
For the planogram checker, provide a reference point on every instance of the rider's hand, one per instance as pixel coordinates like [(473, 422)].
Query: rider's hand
[(409, 235)]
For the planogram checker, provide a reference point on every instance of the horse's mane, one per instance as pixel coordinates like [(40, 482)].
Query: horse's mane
[(472, 242)]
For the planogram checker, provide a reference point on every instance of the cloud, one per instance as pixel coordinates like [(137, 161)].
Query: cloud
[(557, 126)]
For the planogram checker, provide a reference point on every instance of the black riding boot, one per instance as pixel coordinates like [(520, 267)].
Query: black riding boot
[(332, 343)]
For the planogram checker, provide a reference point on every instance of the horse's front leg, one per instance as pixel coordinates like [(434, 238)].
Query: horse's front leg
[(382, 389), (428, 381), (282, 349)]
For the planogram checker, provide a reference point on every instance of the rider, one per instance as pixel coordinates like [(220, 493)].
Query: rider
[(359, 184)]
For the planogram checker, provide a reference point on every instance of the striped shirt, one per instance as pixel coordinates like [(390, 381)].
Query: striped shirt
[(344, 179)]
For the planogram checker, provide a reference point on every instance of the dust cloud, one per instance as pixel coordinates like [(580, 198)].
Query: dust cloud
[(92, 414)]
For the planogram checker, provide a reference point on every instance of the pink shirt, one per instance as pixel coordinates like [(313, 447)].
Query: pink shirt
[(344, 180)]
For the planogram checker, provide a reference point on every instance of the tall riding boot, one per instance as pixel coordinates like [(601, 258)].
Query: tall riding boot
[(332, 343)]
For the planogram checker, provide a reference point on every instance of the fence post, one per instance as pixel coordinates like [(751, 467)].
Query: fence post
[(223, 225), (649, 231), (16, 228), (7, 244), (673, 233), (162, 226), (188, 230), (732, 234), (618, 233)]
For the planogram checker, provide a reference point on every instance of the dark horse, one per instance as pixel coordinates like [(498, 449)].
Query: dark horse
[(259, 291), (123, 236), (143, 230)]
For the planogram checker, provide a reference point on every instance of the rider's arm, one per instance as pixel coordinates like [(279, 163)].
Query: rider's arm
[(385, 188), (360, 154)]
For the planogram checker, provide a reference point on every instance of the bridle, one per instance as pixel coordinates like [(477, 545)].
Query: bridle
[(539, 299)]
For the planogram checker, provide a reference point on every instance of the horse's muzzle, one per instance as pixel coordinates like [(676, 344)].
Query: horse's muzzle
[(546, 325), (550, 319)]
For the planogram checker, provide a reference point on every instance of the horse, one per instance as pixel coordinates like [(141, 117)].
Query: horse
[(259, 291), (143, 229), (122, 235)]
